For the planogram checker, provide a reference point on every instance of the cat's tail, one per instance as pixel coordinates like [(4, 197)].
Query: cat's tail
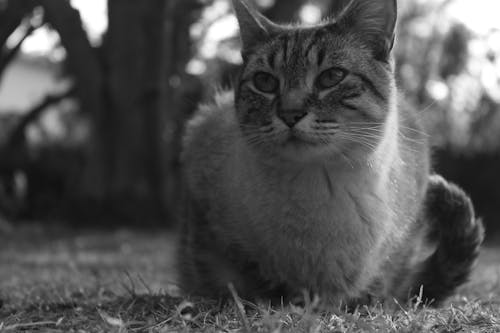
[(458, 235)]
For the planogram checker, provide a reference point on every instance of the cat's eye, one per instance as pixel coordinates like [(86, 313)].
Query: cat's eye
[(266, 82), (330, 78)]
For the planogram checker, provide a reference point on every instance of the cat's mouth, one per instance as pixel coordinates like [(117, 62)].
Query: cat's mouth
[(296, 140)]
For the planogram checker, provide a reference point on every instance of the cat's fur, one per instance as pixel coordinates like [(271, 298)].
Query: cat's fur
[(317, 185)]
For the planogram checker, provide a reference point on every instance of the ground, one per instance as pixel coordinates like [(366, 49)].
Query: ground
[(55, 280)]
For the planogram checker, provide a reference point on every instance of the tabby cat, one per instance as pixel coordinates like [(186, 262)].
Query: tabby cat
[(313, 174)]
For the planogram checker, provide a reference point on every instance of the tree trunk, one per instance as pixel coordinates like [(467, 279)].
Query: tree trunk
[(125, 55), (84, 66), (154, 103), (182, 94), (135, 96), (135, 59)]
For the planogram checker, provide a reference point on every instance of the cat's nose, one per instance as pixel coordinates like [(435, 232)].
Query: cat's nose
[(291, 117)]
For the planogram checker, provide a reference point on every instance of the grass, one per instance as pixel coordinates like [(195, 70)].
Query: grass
[(54, 280)]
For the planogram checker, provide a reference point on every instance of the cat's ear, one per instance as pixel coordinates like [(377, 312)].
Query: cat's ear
[(255, 28), (375, 20)]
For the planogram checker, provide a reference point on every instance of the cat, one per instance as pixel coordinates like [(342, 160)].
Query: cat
[(314, 175)]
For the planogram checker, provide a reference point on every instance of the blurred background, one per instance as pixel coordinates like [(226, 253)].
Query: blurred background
[(94, 95)]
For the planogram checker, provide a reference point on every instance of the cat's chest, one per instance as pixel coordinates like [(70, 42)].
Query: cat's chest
[(310, 203), (301, 200), (313, 223)]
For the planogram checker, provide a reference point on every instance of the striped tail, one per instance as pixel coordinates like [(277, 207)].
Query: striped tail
[(458, 235)]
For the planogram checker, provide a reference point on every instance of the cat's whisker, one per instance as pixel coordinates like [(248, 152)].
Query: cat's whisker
[(260, 139), (363, 123), (323, 128), (329, 124), (363, 141), (371, 132), (257, 140), (364, 129), (327, 133), (414, 130), (371, 140), (358, 123), (401, 126), (326, 121), (370, 136), (326, 127), (366, 133), (414, 141), (367, 122), (258, 129), (401, 147)]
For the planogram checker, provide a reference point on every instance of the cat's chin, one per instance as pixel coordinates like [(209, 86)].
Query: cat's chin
[(309, 153), (297, 143), (296, 150)]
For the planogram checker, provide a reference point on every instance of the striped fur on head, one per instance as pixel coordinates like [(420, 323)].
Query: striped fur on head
[(317, 91)]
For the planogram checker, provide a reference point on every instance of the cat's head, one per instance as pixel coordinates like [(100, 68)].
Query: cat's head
[(317, 91)]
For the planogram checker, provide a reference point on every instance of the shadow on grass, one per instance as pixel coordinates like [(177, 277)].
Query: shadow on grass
[(135, 313), (117, 281), (162, 313)]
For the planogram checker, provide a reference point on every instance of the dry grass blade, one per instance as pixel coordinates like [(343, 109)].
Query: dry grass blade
[(240, 307), (25, 326), (112, 321)]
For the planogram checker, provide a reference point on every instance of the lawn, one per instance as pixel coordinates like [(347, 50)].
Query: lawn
[(55, 280)]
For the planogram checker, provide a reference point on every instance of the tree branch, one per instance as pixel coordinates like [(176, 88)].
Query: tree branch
[(11, 152), (12, 16), (82, 59), (17, 135), (9, 54)]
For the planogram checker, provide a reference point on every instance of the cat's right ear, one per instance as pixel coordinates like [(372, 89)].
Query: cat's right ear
[(255, 28), (373, 20)]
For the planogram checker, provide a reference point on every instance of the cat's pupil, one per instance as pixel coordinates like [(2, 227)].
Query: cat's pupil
[(330, 78), (266, 82)]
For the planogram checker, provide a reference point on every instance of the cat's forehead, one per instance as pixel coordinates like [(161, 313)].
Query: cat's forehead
[(299, 49)]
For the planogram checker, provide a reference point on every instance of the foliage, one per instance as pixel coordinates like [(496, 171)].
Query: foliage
[(134, 97), (452, 75)]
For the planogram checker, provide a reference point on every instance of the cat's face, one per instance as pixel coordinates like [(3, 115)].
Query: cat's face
[(324, 91)]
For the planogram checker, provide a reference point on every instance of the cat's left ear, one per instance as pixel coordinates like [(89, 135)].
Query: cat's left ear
[(375, 20), (255, 28)]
